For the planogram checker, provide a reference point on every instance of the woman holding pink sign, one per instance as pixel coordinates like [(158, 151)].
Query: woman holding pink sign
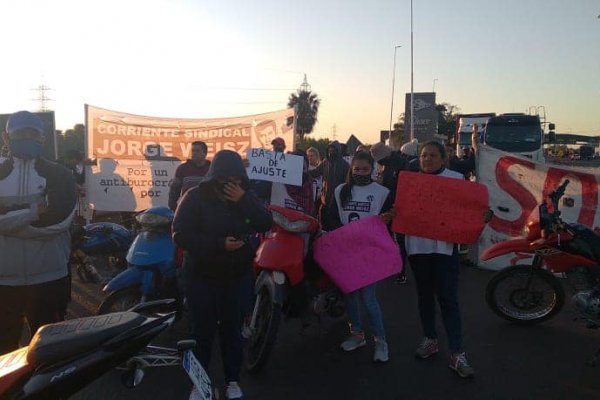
[(356, 199)]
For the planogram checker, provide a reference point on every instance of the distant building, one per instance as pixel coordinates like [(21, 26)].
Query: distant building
[(352, 143)]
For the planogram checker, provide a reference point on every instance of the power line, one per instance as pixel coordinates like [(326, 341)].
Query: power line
[(42, 98), (243, 88)]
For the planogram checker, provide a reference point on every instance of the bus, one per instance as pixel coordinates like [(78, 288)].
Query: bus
[(516, 133)]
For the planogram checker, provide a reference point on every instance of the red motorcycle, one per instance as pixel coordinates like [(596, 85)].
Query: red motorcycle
[(529, 294), (288, 282)]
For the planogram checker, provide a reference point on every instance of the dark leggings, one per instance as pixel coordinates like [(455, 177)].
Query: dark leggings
[(217, 306), (41, 304), (436, 276)]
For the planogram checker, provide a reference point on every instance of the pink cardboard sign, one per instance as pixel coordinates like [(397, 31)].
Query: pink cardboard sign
[(358, 254), (440, 208)]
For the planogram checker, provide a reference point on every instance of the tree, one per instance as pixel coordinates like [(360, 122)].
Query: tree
[(307, 106), (71, 139), (447, 119), (397, 136)]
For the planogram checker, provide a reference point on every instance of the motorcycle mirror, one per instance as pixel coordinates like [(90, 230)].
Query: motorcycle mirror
[(184, 345)]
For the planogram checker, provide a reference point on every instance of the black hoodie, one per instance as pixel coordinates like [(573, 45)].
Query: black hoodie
[(204, 219), (334, 172)]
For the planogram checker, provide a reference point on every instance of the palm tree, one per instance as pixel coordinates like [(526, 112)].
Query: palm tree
[(307, 106)]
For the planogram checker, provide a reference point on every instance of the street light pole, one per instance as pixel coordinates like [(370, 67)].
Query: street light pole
[(412, 92), (435, 79), (393, 85)]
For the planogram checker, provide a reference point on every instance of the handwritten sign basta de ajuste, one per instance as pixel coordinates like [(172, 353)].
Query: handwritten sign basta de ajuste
[(274, 166)]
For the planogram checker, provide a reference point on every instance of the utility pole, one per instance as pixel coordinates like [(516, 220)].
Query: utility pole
[(42, 98), (334, 130), (305, 87)]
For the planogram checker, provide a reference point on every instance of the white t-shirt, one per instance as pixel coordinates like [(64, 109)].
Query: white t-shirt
[(365, 201), (420, 245), (280, 197)]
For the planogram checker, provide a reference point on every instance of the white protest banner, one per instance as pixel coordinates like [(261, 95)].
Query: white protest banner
[(274, 166), (136, 156), (129, 185), (516, 187)]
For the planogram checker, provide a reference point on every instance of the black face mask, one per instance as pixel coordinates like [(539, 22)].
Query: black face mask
[(361, 180)]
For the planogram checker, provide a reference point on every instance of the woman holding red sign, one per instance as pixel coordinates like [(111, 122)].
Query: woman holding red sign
[(435, 265)]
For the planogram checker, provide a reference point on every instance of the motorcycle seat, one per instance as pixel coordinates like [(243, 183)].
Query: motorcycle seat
[(56, 342)]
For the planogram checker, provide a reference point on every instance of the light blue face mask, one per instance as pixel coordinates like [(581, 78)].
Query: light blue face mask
[(25, 148)]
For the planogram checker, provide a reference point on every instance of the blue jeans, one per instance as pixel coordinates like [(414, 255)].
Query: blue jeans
[(436, 276), (369, 299), (217, 306)]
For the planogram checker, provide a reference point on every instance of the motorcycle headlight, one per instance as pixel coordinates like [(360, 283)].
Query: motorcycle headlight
[(153, 220), (290, 226)]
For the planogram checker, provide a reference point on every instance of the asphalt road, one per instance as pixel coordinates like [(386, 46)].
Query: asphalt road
[(511, 362)]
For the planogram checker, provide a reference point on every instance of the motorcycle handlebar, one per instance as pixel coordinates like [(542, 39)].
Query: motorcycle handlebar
[(551, 220), (558, 193)]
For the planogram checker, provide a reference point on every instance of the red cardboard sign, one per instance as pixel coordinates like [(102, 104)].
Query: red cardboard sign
[(440, 208)]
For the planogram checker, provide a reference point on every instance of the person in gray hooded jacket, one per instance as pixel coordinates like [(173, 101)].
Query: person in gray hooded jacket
[(37, 205)]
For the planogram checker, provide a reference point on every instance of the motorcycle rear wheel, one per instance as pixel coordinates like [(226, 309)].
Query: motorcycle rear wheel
[(120, 300), (510, 296), (259, 344)]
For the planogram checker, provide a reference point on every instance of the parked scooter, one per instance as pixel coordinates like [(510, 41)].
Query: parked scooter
[(64, 357), (101, 245), (282, 262), (152, 271), (529, 294)]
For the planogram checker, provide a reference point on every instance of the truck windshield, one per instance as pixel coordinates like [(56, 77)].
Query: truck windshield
[(465, 139), (514, 138)]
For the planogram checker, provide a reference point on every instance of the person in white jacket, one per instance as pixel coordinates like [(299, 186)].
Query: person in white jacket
[(37, 205)]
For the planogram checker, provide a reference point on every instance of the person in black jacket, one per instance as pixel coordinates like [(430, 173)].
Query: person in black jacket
[(393, 162), (212, 224), (333, 170), (189, 173)]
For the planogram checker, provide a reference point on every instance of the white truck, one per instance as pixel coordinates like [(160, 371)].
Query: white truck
[(464, 128)]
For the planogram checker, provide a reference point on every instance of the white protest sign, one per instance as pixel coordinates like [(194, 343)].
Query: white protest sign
[(274, 166), (129, 185)]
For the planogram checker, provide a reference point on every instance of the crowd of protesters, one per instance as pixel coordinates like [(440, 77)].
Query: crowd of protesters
[(218, 212)]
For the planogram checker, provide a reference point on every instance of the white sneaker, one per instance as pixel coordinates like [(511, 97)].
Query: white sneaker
[(381, 351), (233, 391), (354, 341)]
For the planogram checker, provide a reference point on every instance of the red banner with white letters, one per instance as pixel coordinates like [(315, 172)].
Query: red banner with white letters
[(517, 185)]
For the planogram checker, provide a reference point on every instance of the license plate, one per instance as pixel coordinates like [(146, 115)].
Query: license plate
[(198, 375)]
